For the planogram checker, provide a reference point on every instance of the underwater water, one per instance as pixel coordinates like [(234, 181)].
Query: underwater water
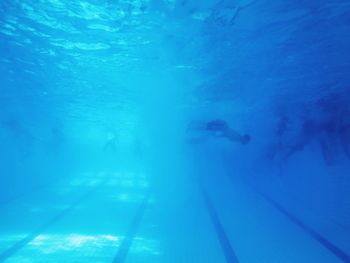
[(174, 131)]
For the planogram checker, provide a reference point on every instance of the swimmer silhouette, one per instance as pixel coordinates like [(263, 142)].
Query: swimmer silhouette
[(220, 128)]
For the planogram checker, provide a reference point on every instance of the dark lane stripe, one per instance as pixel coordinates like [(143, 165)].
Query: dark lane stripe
[(20, 244), (228, 251), (131, 233), (342, 255)]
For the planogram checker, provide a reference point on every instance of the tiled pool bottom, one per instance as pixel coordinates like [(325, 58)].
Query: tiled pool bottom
[(76, 248), (125, 218)]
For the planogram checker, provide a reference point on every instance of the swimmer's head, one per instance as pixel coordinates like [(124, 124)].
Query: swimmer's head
[(245, 139)]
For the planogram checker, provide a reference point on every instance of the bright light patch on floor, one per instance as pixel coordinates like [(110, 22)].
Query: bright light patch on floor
[(52, 243)]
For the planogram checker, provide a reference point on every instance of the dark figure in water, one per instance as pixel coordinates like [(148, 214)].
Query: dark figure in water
[(311, 130), (336, 107), (329, 134), (306, 134), (279, 133), (344, 133), (219, 128), (327, 126)]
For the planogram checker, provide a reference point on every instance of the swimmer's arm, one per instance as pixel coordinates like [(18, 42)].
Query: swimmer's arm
[(234, 136)]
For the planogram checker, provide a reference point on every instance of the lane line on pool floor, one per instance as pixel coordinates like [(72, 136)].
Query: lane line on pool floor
[(224, 241), (23, 242), (124, 248), (338, 252), (327, 244)]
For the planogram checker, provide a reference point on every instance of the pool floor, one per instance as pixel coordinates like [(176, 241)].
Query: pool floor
[(123, 217)]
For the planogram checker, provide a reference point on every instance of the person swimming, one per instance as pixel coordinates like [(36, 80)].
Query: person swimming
[(220, 128), (344, 133), (324, 132), (275, 149)]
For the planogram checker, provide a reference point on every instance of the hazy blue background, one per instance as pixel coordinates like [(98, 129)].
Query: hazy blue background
[(96, 99)]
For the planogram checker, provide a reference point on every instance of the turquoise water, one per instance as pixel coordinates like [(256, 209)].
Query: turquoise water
[(174, 131)]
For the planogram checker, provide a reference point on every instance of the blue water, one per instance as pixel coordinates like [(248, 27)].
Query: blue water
[(174, 131)]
